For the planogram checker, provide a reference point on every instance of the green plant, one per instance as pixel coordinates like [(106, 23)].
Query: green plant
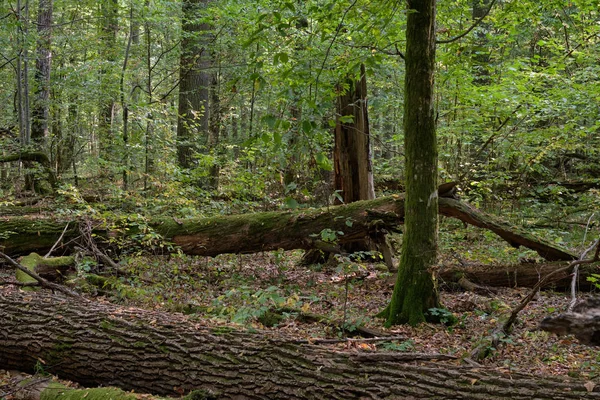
[(443, 316), (407, 345)]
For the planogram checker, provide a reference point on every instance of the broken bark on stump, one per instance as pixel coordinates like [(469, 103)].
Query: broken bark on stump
[(251, 233), (101, 344)]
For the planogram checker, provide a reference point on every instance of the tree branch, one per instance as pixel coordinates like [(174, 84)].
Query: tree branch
[(465, 33)]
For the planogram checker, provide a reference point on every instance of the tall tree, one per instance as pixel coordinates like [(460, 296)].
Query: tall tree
[(41, 108), (194, 82), (415, 291), (109, 11)]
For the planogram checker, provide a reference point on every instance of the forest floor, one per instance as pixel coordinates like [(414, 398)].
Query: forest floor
[(243, 290)]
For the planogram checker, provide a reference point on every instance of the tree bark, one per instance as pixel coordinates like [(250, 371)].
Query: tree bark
[(194, 83), (518, 275), (41, 107), (251, 233), (352, 151), (415, 291), (109, 27), (148, 351)]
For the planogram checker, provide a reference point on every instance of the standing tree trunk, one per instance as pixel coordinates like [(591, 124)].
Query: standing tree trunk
[(352, 153), (194, 82), (415, 291), (22, 70), (109, 11), (41, 109)]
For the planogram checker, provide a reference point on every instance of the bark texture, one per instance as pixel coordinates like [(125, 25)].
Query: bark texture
[(519, 275), (251, 233), (583, 322), (352, 152), (41, 109), (194, 83), (415, 291), (101, 344)]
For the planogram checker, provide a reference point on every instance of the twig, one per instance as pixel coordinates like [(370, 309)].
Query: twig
[(346, 340), (395, 356), (465, 33), (58, 241), (43, 282), (21, 284), (576, 273)]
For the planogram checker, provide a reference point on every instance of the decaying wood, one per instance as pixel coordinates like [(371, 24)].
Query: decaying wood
[(583, 322), (505, 326), (519, 275), (101, 344), (33, 274), (250, 233)]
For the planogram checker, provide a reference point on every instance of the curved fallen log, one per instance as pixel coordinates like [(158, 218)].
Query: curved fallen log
[(101, 344), (251, 233)]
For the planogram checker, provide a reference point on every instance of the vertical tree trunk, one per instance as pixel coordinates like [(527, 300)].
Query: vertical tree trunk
[(352, 153), (125, 104), (22, 71), (194, 83), (481, 53), (41, 109), (415, 291), (109, 11), (214, 130)]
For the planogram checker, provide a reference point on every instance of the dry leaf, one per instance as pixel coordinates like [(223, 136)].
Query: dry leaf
[(589, 385)]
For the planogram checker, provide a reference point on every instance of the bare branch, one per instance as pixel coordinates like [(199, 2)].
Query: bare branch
[(465, 33)]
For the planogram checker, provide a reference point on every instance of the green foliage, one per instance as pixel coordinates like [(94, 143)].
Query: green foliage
[(256, 305), (595, 279), (442, 316), (405, 346)]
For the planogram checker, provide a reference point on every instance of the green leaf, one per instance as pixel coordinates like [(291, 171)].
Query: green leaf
[(270, 120), (306, 126), (323, 162), (291, 203), (280, 58)]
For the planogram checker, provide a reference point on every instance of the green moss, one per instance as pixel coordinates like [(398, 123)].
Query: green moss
[(270, 319), (34, 260), (105, 324), (221, 330), (29, 262), (201, 395), (164, 349), (56, 391)]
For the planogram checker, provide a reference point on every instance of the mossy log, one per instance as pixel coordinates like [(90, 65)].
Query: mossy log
[(519, 275), (149, 351), (52, 269), (251, 233)]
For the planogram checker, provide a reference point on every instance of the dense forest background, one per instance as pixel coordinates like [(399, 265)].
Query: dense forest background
[(96, 87), (150, 142)]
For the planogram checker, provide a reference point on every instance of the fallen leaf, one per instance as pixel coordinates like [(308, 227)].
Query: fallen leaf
[(589, 385)]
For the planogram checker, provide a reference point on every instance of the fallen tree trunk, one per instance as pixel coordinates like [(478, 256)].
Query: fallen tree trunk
[(251, 233), (519, 275), (583, 322), (101, 344)]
